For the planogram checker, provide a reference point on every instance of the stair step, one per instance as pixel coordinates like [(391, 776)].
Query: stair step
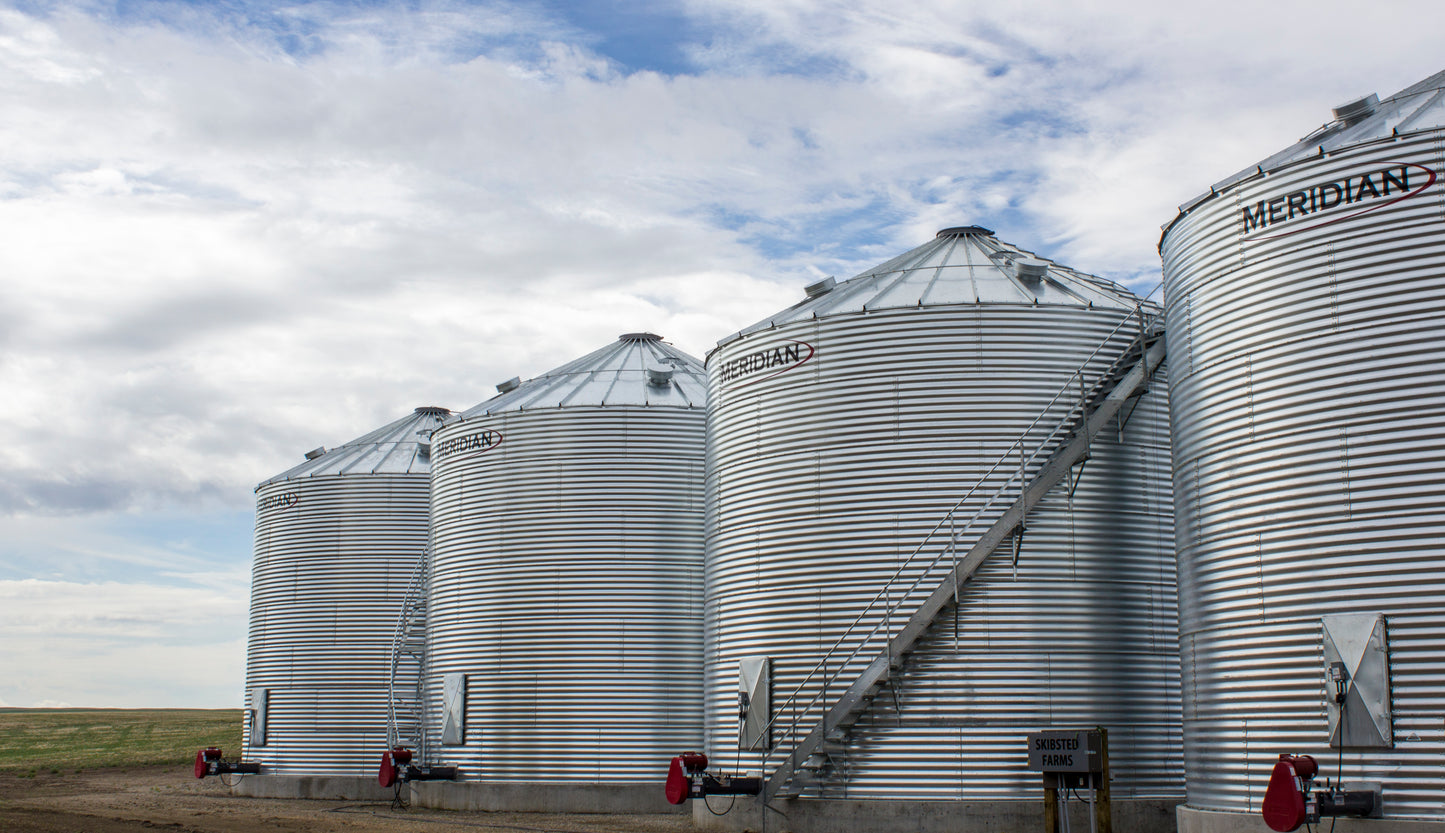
[(805, 781), (825, 754), (791, 790)]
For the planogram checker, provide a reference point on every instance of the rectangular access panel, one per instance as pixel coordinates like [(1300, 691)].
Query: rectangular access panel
[(260, 702), (1357, 680), (454, 709), (755, 706)]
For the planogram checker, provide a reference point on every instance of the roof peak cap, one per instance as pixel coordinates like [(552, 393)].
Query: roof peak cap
[(961, 231)]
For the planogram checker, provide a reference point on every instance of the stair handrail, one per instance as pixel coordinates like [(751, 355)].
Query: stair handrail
[(1148, 327)]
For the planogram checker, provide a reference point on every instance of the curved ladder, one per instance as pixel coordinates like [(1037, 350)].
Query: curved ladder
[(406, 705)]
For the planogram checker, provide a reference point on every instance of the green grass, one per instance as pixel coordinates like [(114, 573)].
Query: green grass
[(61, 741)]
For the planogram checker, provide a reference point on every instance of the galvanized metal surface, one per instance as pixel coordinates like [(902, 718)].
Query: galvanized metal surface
[(334, 553), (399, 447), (1308, 395), (823, 476), (567, 575), (614, 375), (963, 265)]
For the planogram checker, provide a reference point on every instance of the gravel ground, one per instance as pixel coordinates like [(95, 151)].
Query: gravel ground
[(171, 799)]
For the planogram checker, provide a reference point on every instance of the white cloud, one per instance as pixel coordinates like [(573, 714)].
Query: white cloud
[(234, 234), (121, 645), (66, 609)]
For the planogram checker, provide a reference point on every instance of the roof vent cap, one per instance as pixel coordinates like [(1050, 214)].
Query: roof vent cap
[(1353, 111), (510, 385), (822, 287), (430, 410), (960, 231), (659, 377), (1030, 269), (316, 452), (639, 337)]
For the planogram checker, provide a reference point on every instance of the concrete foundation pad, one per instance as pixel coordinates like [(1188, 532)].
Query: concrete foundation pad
[(345, 787), (815, 815), (542, 798), (1194, 820)]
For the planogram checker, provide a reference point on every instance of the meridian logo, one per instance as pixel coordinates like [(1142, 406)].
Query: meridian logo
[(1367, 190), (779, 360), (478, 443), (284, 500)]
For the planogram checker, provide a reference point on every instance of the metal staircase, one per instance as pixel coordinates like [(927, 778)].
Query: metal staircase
[(923, 587), (406, 679)]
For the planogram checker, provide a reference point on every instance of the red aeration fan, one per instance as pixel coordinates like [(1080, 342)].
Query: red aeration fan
[(687, 777), (1287, 802), (209, 761), (396, 766), (679, 775), (393, 765), (204, 758)]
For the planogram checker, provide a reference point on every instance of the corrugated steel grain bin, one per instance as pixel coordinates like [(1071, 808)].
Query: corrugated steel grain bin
[(841, 432), (1306, 332), (565, 605), (337, 540)]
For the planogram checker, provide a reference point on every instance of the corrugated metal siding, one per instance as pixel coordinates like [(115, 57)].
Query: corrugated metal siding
[(1309, 472), (567, 586), (332, 561), (823, 478)]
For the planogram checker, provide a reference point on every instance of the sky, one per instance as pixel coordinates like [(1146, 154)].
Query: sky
[(231, 232)]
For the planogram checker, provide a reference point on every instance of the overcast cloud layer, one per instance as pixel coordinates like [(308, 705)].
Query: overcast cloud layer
[(237, 231)]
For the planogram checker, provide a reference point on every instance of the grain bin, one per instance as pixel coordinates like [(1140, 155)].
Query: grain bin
[(565, 603), (1306, 335), (338, 537), (841, 432)]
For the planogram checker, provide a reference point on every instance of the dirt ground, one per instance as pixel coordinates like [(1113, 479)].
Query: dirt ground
[(171, 799)]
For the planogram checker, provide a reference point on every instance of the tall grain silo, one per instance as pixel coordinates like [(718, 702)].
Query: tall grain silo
[(565, 600), (338, 538), (1306, 335), (863, 443)]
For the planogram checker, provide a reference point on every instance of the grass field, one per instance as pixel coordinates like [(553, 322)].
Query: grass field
[(67, 740)]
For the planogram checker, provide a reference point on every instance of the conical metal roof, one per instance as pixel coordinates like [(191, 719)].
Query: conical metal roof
[(1418, 107), (638, 369), (961, 265), (401, 447)]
